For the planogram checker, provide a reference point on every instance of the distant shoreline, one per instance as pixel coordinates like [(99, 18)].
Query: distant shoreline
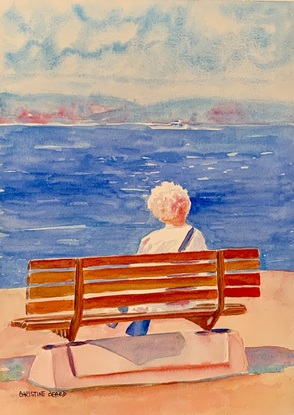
[(152, 126)]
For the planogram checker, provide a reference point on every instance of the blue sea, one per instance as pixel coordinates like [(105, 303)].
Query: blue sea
[(81, 190)]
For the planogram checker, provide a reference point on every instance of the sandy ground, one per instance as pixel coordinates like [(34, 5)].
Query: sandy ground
[(268, 322)]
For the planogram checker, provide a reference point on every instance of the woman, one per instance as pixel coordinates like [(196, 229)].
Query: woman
[(170, 204)]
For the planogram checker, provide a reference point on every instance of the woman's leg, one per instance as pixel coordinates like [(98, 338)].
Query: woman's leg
[(138, 328)]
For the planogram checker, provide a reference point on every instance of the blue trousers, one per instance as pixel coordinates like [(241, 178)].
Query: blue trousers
[(136, 328)]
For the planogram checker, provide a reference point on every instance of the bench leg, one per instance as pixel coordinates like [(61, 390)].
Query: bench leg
[(72, 333), (206, 323)]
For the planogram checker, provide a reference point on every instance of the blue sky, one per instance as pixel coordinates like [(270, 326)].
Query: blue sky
[(148, 51)]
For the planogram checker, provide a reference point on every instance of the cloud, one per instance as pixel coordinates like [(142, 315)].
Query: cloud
[(207, 45), (267, 33), (151, 42)]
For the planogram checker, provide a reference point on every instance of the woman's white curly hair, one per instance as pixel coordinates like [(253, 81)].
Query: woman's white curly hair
[(169, 201)]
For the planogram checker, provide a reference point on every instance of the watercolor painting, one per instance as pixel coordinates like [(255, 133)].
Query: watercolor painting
[(113, 116)]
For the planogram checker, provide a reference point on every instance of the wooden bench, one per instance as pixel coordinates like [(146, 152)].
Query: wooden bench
[(65, 294)]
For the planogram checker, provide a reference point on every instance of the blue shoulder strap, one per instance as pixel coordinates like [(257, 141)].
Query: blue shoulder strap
[(186, 241)]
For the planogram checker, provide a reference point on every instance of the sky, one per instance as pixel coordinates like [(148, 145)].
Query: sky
[(148, 51)]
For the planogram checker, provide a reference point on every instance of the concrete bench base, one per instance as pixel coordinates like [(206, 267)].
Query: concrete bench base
[(152, 359)]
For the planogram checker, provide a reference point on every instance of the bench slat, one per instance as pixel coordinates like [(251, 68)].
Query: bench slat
[(149, 271), (147, 258), (242, 265), (104, 318), (242, 279), (201, 311), (137, 299), (241, 253), (50, 292), (48, 277), (65, 325), (51, 263), (44, 319), (149, 284), (46, 307), (45, 325), (242, 292)]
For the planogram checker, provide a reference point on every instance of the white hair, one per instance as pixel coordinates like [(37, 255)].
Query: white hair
[(169, 200)]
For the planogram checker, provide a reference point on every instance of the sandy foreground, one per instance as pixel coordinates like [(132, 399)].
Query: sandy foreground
[(267, 331)]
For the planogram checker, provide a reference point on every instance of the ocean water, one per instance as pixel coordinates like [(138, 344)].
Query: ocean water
[(81, 190)]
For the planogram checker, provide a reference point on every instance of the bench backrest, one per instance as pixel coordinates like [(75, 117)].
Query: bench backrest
[(76, 285)]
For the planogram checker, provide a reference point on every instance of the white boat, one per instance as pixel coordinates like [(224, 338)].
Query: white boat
[(174, 125)]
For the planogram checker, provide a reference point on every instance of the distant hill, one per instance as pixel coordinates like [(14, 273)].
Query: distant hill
[(64, 109)]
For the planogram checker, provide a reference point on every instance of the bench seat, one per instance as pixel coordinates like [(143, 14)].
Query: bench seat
[(201, 311)]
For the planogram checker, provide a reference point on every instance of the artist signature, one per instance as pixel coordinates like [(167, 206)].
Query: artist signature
[(33, 394)]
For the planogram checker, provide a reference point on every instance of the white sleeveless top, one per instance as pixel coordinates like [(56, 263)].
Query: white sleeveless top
[(169, 239)]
